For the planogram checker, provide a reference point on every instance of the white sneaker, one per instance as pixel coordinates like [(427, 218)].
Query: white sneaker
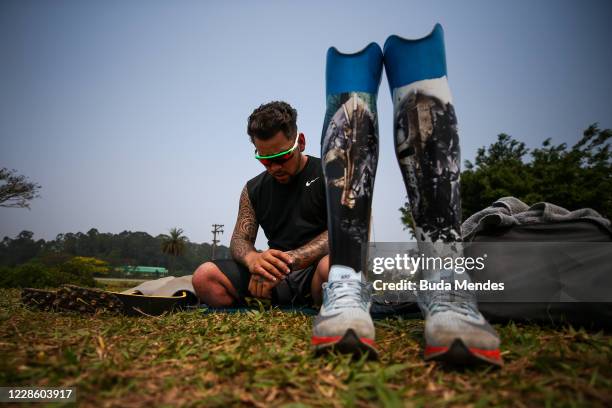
[(344, 322)]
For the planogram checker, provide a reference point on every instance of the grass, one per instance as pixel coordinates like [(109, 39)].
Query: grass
[(263, 358)]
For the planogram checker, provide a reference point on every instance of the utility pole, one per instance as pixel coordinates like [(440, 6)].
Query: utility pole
[(216, 230)]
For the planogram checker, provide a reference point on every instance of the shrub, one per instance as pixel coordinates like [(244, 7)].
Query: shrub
[(37, 275)]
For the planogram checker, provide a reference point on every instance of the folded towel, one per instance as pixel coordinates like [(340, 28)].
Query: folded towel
[(508, 211)]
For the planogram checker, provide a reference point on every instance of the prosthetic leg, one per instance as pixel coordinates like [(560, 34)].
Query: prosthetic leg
[(349, 153), (427, 148)]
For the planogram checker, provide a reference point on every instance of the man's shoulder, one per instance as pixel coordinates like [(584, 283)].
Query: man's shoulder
[(314, 159), (256, 182), (258, 178), (314, 163)]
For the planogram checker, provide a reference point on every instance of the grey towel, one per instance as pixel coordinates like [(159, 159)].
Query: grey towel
[(168, 286), (508, 211)]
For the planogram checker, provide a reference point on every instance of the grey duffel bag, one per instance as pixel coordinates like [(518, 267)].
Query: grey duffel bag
[(552, 273)]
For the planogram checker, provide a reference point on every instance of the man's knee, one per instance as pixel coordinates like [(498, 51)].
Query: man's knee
[(208, 282), (322, 270), (320, 276), (204, 274)]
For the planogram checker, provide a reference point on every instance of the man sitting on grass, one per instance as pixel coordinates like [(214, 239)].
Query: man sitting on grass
[(288, 202)]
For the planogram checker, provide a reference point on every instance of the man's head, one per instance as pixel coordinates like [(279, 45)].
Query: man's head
[(273, 130)]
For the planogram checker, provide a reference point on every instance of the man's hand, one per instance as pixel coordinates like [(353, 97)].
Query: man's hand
[(260, 288), (271, 265)]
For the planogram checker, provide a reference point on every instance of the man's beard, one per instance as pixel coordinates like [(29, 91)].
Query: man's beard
[(286, 178)]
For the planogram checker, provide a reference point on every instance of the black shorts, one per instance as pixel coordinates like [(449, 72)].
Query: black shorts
[(294, 290)]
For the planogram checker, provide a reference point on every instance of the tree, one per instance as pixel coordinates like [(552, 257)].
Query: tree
[(126, 248), (16, 190), (174, 245), (88, 264), (19, 250), (576, 177), (407, 220), (499, 171)]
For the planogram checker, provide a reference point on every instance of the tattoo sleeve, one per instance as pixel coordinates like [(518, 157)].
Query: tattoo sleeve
[(245, 230), (311, 252)]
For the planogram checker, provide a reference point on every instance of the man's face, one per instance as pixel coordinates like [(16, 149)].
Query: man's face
[(279, 143)]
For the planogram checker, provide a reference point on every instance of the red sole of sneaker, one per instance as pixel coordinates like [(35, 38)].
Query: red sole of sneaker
[(350, 343), (458, 353)]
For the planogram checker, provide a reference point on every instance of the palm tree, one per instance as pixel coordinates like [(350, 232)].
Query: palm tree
[(173, 245)]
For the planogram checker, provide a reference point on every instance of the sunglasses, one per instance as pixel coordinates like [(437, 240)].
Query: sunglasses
[(278, 158)]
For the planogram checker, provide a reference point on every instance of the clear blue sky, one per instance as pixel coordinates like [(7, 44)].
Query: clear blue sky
[(132, 114)]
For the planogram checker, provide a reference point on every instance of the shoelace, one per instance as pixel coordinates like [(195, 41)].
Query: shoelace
[(462, 302), (345, 294)]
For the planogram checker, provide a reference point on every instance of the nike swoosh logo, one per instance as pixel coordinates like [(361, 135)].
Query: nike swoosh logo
[(308, 183)]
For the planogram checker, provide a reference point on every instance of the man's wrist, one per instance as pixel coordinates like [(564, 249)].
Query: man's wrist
[(295, 260), (248, 259)]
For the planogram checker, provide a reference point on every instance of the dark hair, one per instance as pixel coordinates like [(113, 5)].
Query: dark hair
[(270, 118)]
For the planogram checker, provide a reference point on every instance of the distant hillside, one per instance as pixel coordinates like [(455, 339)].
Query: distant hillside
[(126, 248)]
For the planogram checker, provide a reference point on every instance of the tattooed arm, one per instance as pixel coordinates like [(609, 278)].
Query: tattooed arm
[(242, 243), (311, 252), (271, 264)]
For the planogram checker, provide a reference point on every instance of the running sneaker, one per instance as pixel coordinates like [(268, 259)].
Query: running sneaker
[(455, 330), (344, 323)]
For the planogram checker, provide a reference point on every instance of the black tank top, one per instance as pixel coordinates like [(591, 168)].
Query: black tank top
[(294, 213)]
